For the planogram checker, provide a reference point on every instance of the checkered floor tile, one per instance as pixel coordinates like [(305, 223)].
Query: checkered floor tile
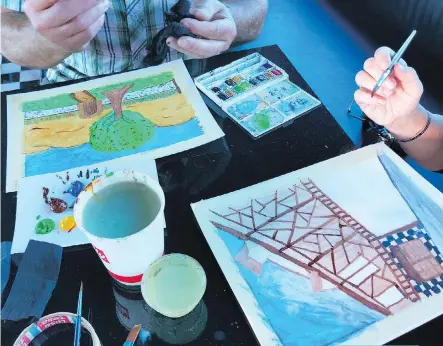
[(16, 77), (425, 288)]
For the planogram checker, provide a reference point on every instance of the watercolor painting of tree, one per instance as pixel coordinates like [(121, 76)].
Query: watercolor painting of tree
[(121, 129)]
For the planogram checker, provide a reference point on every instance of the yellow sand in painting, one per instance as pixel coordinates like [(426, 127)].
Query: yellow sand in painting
[(165, 112), (74, 131)]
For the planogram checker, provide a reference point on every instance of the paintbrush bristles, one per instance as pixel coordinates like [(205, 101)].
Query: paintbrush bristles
[(81, 286), (133, 334)]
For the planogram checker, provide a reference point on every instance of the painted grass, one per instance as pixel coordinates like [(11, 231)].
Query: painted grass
[(65, 100), (108, 106)]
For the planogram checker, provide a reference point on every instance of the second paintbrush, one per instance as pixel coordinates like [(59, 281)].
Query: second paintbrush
[(78, 321)]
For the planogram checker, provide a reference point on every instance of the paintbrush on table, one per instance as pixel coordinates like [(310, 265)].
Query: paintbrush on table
[(78, 321), (133, 334)]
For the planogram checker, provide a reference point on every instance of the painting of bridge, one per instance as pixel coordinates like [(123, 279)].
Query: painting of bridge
[(304, 226), (307, 270)]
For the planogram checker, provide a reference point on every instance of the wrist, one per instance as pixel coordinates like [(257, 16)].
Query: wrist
[(408, 126)]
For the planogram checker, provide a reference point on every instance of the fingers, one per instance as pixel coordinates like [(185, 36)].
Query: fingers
[(172, 42), (64, 11), (409, 79), (383, 56), (365, 80), (363, 97), (205, 10), (39, 5), (79, 41), (372, 68), (81, 22), (216, 30), (200, 47)]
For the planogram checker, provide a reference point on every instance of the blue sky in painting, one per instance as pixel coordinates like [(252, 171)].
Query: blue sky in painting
[(297, 315), (59, 159)]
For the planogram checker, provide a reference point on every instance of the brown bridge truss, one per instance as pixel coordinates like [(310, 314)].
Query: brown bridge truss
[(304, 226)]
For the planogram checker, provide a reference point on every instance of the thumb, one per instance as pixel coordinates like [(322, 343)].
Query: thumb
[(409, 80)]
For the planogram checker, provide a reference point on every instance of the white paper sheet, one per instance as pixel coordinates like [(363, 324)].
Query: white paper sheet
[(356, 182), (30, 203), (15, 146)]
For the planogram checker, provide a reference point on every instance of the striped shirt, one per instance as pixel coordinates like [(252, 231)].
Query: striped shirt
[(122, 43)]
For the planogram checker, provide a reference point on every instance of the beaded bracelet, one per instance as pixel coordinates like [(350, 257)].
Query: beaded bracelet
[(428, 123)]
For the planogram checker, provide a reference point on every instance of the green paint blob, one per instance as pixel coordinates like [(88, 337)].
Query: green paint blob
[(245, 86), (38, 217), (110, 174), (238, 89), (119, 134), (45, 226), (261, 120)]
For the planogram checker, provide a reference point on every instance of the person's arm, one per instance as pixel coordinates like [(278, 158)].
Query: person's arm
[(427, 149), (49, 30), (249, 17), (21, 44), (396, 106), (220, 24)]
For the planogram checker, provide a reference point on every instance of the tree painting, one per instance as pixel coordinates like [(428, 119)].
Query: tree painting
[(120, 129), (116, 99)]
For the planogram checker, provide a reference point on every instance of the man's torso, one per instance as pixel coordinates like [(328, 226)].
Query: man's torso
[(122, 43)]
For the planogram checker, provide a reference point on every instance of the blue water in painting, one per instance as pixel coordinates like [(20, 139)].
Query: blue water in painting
[(59, 159), (297, 315)]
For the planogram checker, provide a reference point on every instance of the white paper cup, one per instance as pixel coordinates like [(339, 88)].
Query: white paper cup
[(125, 258), (173, 285)]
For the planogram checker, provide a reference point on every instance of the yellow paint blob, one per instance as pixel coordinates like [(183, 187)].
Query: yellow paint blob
[(67, 223), (89, 188)]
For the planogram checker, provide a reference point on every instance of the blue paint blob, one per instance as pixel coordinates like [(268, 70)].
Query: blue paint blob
[(144, 335), (75, 188), (247, 107)]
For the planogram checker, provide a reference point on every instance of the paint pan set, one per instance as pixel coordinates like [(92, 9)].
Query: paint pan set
[(256, 94)]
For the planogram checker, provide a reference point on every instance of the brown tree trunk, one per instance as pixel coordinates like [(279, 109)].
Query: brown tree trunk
[(176, 86), (116, 99)]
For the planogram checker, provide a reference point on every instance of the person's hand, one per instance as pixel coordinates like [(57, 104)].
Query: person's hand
[(214, 24), (399, 96), (70, 24)]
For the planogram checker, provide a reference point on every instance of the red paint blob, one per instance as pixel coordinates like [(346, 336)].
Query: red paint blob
[(57, 205)]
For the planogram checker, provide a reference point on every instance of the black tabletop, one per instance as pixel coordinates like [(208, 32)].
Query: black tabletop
[(228, 164)]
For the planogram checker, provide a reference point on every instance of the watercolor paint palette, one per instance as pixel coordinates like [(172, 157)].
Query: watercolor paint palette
[(256, 94)]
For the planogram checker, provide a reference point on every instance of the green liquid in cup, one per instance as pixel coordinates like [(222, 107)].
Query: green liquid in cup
[(174, 286), (120, 210)]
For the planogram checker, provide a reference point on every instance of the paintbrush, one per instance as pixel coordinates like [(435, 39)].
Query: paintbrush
[(78, 321), (133, 334)]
